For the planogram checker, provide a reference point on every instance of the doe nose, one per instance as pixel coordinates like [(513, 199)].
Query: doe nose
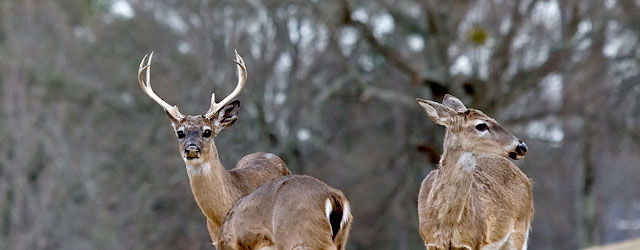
[(521, 149)]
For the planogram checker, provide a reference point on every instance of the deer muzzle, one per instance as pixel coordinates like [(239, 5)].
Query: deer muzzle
[(520, 151), (192, 152)]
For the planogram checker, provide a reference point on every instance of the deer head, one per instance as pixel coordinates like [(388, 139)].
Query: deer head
[(196, 132), (470, 130)]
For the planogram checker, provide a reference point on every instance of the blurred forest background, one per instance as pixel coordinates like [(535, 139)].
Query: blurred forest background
[(87, 161)]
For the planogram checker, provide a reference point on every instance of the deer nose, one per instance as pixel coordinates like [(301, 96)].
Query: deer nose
[(521, 149), (192, 151)]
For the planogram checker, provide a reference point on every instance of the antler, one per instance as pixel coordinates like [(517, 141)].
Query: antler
[(146, 88), (242, 79)]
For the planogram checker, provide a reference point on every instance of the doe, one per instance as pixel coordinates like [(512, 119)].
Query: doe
[(294, 212), (477, 199)]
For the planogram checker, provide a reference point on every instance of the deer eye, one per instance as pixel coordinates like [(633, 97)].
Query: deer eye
[(482, 127), (180, 134), (206, 133)]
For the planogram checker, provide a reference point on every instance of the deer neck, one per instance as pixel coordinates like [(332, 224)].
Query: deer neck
[(209, 182), (454, 187)]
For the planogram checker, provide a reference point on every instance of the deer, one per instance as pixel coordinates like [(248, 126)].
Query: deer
[(477, 199), (214, 188), (294, 212)]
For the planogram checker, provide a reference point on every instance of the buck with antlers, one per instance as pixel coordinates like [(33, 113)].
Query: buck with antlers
[(290, 213), (477, 199), (215, 189)]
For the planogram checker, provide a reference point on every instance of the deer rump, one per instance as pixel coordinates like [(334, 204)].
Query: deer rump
[(292, 212)]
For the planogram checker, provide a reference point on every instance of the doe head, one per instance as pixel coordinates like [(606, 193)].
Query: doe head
[(470, 130), (196, 132)]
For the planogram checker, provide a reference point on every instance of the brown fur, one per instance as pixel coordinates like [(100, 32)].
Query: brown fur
[(287, 213), (479, 199), (214, 188)]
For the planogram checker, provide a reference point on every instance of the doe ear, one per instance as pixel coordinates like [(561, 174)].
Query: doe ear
[(227, 115), (453, 103), (439, 113)]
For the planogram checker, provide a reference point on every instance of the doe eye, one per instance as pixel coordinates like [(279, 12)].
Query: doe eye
[(180, 134), (482, 127), (206, 133)]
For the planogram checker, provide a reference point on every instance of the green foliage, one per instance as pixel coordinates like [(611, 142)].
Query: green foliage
[(478, 36)]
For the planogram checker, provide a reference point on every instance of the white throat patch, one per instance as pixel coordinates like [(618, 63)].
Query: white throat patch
[(467, 161), (195, 168)]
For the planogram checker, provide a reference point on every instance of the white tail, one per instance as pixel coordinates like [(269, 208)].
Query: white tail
[(292, 212), (329, 210), (214, 188), (477, 199)]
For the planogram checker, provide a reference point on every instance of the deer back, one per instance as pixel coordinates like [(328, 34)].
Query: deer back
[(289, 212), (254, 170)]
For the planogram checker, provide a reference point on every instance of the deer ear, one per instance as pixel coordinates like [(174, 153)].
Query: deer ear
[(174, 120), (227, 115), (453, 103), (439, 113)]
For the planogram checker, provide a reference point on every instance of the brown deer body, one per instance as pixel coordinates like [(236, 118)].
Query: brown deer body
[(477, 199), (292, 212), (214, 188)]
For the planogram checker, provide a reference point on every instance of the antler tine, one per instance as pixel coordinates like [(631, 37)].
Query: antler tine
[(242, 80), (146, 88)]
